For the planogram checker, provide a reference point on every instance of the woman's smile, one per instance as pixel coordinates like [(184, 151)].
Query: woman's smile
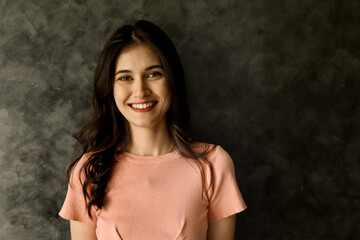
[(143, 107)]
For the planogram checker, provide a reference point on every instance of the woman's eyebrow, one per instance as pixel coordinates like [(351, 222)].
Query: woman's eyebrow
[(154, 66), (122, 71), (147, 69)]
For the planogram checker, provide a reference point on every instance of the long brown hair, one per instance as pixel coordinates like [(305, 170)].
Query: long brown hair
[(106, 132)]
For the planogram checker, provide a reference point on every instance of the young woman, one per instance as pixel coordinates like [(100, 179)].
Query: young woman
[(141, 176)]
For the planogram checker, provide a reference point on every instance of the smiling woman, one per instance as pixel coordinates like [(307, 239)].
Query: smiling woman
[(141, 175)]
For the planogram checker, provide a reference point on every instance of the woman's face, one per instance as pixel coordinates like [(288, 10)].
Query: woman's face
[(140, 88)]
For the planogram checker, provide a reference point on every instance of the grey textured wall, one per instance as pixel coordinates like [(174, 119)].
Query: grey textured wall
[(276, 83)]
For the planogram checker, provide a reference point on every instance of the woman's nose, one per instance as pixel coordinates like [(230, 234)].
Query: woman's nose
[(141, 88)]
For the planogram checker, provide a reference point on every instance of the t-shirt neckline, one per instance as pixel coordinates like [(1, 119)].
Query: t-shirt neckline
[(149, 159)]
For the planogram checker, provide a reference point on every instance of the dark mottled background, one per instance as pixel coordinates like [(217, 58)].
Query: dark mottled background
[(276, 83)]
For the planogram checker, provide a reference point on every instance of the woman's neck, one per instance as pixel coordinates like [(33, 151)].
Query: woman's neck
[(150, 141)]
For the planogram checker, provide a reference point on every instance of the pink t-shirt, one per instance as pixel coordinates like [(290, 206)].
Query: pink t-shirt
[(158, 197)]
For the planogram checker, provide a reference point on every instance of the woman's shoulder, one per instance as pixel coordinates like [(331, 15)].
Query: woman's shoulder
[(211, 150), (77, 168), (83, 159)]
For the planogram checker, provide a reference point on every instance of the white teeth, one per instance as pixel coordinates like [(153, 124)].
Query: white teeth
[(142, 106)]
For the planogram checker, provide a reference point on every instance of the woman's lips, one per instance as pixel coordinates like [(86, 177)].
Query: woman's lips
[(143, 106)]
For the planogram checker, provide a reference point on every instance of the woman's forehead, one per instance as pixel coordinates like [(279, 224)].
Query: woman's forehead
[(137, 57)]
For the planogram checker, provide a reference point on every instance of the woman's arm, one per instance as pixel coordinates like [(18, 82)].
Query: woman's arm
[(82, 231), (223, 229)]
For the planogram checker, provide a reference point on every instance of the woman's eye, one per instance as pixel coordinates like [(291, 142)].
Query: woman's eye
[(155, 75), (125, 78)]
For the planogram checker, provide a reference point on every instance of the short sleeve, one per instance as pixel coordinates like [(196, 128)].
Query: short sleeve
[(225, 198), (74, 207)]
